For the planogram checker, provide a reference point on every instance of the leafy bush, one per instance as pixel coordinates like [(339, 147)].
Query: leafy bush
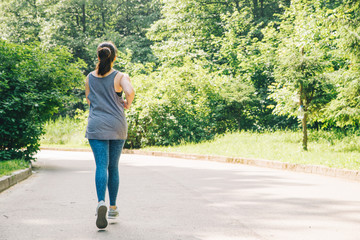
[(184, 103), (33, 85)]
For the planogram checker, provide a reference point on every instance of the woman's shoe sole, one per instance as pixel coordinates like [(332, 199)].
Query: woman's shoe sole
[(101, 221)]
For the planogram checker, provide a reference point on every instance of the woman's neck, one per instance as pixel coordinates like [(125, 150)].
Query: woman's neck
[(100, 76)]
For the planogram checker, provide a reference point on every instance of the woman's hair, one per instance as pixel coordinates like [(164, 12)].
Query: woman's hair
[(106, 52)]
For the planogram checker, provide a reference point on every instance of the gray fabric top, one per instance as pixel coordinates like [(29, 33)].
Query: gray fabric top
[(106, 119)]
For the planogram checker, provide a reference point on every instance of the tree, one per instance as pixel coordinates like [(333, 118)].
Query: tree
[(302, 62), (226, 34), (344, 110), (25, 16), (81, 25)]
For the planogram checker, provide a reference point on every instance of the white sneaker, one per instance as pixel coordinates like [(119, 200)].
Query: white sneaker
[(113, 213), (101, 221)]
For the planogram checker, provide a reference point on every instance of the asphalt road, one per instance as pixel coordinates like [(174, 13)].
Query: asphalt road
[(173, 199)]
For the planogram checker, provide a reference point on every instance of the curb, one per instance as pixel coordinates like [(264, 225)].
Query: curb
[(16, 177), (67, 149), (295, 167)]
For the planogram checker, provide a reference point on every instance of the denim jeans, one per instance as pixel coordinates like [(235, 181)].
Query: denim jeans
[(107, 154)]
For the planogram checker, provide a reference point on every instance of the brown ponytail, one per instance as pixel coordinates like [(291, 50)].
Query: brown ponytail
[(106, 53)]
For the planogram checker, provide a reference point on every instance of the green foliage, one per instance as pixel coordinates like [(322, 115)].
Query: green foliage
[(226, 36), (34, 84), (344, 109), (301, 63), (317, 61), (207, 29), (81, 25), (184, 103)]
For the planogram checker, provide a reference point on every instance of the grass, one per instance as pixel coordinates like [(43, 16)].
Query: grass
[(8, 167), (334, 149), (325, 148), (65, 132)]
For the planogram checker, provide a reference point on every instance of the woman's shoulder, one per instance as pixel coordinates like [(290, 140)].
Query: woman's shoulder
[(93, 73), (120, 75)]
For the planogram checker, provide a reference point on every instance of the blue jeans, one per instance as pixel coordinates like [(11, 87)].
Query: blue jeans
[(107, 154)]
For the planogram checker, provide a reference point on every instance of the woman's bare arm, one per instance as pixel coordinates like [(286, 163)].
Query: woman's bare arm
[(87, 90), (128, 89)]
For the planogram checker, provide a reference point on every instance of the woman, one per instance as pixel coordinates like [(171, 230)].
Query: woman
[(107, 127)]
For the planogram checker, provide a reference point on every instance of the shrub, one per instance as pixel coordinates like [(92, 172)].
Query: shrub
[(33, 85), (183, 104)]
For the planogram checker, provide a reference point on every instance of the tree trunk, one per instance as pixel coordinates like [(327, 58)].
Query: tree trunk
[(237, 4), (304, 120), (262, 14), (304, 128), (103, 9), (36, 10), (127, 18), (83, 17), (255, 8)]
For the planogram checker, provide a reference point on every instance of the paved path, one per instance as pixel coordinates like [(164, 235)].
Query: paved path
[(173, 199)]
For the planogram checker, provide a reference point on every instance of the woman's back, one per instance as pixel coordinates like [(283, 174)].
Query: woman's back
[(106, 116)]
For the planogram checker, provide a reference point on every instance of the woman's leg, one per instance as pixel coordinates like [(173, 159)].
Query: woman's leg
[(115, 148), (100, 150)]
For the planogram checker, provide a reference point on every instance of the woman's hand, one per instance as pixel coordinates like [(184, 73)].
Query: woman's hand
[(126, 105)]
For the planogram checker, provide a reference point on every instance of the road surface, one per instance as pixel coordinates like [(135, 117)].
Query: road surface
[(176, 199)]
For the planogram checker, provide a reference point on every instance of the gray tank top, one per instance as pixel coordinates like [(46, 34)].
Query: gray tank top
[(106, 119)]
